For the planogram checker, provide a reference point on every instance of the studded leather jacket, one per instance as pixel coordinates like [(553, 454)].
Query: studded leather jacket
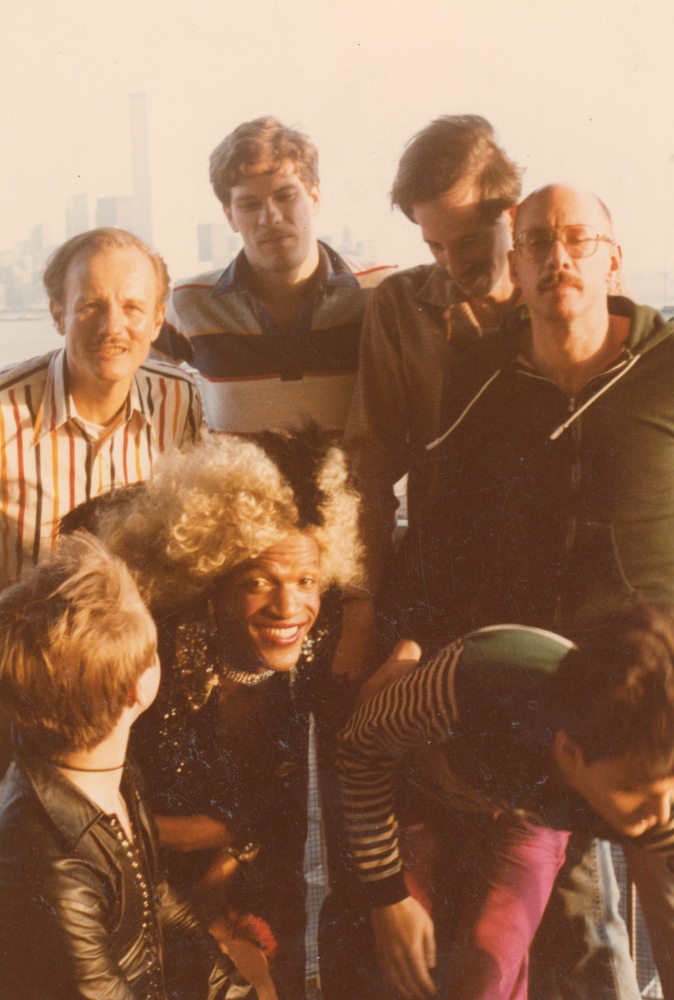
[(82, 912)]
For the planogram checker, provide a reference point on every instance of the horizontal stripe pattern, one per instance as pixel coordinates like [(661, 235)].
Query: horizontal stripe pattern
[(406, 716), (265, 403), (215, 324), (49, 464)]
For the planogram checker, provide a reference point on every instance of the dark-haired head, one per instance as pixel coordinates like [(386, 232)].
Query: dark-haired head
[(614, 693)]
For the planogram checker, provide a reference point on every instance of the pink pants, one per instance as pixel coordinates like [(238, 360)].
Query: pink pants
[(488, 882)]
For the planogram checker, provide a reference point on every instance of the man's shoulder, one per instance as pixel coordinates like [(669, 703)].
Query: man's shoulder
[(157, 371), (198, 284), (428, 282), (198, 301), (25, 829), (29, 372), (368, 273)]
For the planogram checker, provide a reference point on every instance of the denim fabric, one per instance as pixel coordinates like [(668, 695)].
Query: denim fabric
[(581, 951), (652, 874)]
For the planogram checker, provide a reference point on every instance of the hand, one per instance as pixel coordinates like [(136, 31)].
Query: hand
[(405, 941), (405, 656), (249, 960), (358, 648)]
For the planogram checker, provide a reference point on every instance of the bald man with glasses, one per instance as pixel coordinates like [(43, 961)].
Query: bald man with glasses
[(553, 499)]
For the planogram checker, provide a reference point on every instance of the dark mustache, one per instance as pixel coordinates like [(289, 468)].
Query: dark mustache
[(557, 278)]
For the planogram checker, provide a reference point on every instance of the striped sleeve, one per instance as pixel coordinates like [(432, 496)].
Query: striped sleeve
[(408, 715)]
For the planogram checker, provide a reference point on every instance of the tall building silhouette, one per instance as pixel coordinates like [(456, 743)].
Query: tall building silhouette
[(142, 223), (117, 211), (77, 215)]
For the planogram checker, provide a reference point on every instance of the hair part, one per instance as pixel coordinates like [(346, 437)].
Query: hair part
[(451, 150), (75, 637), (94, 241), (262, 141), (614, 693), (228, 499)]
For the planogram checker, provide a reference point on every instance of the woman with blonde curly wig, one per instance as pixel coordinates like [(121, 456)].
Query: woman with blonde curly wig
[(232, 544)]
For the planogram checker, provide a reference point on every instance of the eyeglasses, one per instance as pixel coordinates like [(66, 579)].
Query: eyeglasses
[(578, 241)]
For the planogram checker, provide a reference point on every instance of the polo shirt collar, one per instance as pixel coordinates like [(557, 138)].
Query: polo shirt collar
[(333, 272)]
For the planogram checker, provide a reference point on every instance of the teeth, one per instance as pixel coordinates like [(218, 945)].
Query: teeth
[(280, 633)]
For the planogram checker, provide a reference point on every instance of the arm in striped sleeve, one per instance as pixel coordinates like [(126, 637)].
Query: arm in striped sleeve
[(408, 715)]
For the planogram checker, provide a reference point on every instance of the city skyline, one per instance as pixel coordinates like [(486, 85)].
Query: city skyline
[(577, 92)]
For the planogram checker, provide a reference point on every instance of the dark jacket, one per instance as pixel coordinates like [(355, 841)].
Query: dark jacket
[(543, 510), (83, 915)]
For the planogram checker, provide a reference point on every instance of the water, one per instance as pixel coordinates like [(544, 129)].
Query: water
[(28, 338)]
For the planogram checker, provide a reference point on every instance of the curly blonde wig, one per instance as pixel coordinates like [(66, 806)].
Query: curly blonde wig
[(228, 499)]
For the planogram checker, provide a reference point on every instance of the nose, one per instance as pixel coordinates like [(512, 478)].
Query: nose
[(112, 318), (445, 258), (558, 255), (285, 602), (662, 808), (270, 213)]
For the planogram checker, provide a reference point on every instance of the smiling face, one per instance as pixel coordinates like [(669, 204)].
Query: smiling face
[(472, 250), (560, 286), (628, 792), (266, 606), (274, 213), (109, 317)]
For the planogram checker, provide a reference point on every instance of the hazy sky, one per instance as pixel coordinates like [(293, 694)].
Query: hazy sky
[(578, 90)]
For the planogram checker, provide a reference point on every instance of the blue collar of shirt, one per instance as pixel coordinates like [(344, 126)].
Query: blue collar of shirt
[(335, 272)]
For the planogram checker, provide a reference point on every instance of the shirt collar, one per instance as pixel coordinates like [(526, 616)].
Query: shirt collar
[(57, 406), (67, 807), (439, 290), (237, 277)]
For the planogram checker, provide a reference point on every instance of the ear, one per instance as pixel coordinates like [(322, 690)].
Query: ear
[(568, 755), (159, 319), (615, 266), (315, 195), (56, 310), (227, 209), (144, 691)]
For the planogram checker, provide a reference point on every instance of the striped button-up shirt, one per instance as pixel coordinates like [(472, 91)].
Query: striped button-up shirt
[(50, 461)]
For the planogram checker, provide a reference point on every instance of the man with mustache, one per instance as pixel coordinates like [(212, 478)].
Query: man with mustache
[(552, 496), (94, 414)]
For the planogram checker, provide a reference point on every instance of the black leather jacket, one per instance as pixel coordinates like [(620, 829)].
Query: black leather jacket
[(82, 914)]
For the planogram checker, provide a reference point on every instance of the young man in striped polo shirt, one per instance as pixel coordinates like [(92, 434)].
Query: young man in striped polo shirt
[(275, 335), (93, 414)]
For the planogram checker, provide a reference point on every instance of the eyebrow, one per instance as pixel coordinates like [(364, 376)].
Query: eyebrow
[(255, 197)]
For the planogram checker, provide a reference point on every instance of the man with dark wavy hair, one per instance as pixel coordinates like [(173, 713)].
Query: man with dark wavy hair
[(459, 186)]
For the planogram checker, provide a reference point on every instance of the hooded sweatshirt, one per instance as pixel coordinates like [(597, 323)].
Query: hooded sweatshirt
[(541, 509)]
